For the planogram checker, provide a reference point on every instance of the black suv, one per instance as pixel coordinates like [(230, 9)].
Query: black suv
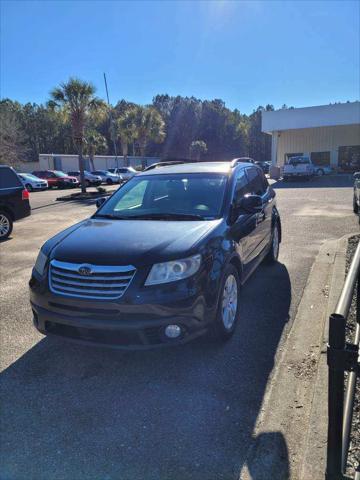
[(14, 200), (162, 260)]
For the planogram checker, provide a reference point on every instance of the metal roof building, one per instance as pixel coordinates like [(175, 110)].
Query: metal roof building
[(329, 134)]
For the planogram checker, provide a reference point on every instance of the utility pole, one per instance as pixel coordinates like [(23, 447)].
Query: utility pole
[(112, 129)]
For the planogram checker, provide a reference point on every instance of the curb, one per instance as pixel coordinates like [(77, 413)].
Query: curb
[(314, 461), (80, 198), (296, 397)]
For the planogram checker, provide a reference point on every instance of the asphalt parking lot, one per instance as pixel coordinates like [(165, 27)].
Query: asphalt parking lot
[(48, 197), (73, 412)]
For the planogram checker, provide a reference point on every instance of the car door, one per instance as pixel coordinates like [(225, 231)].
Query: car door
[(258, 185), (243, 231)]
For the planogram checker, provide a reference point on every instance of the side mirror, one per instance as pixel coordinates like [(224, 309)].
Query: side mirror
[(100, 201), (356, 176), (251, 203)]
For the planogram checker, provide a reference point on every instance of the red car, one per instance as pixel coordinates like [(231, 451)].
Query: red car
[(55, 178)]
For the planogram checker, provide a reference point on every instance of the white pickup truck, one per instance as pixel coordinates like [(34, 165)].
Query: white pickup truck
[(300, 167)]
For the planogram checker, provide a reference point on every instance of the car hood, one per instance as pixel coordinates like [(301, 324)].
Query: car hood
[(135, 242)]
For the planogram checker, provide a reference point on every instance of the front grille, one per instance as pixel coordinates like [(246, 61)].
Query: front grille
[(96, 281)]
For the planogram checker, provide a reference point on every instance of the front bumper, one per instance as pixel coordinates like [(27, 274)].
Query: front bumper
[(132, 322)]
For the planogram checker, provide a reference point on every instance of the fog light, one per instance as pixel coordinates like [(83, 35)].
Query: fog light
[(173, 331)]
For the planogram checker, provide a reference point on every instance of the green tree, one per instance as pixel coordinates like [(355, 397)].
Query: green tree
[(197, 149), (79, 100), (94, 143), (13, 147), (148, 126), (125, 129)]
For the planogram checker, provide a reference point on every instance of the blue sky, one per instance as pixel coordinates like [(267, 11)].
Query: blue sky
[(246, 53)]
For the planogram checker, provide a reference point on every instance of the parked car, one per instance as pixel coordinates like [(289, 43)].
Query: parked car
[(356, 197), (90, 179), (176, 244), (265, 166), (56, 178), (321, 170), (108, 177), (125, 172), (14, 200), (31, 182), (298, 167)]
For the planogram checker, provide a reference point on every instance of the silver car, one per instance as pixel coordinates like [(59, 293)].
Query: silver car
[(108, 177), (31, 182), (125, 172)]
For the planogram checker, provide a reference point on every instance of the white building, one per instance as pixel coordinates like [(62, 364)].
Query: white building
[(68, 163), (329, 134)]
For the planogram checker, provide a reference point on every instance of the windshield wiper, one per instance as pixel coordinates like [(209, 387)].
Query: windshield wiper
[(166, 216), (110, 216)]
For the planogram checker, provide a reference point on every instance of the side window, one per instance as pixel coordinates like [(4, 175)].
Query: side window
[(9, 179), (241, 187), (256, 183)]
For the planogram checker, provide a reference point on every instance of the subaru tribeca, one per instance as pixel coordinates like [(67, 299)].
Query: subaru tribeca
[(161, 261)]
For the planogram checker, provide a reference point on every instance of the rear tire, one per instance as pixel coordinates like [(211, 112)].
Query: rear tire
[(227, 315), (355, 205), (273, 253), (6, 225)]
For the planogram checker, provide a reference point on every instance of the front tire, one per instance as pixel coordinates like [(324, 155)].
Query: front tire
[(320, 172), (273, 253), (109, 181), (227, 315), (6, 225)]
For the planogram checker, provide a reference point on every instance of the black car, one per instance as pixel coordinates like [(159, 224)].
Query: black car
[(14, 200), (161, 261)]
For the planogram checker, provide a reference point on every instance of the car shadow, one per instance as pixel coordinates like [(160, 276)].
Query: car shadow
[(189, 412), (326, 181)]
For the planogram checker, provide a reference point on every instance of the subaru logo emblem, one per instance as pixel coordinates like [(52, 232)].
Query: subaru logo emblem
[(84, 270)]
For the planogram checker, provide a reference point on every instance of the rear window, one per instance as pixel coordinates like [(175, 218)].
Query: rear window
[(9, 179), (299, 161)]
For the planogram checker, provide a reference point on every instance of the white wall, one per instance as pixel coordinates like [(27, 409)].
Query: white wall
[(101, 162), (308, 117), (326, 139)]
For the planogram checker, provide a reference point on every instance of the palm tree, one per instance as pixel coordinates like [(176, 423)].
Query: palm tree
[(94, 143), (125, 131), (197, 148), (79, 99), (149, 126)]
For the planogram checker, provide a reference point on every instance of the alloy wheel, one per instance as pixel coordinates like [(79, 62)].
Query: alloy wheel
[(4, 225), (229, 302), (275, 242)]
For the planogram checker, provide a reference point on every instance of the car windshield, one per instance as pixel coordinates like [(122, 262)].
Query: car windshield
[(60, 174), (179, 196), (28, 175)]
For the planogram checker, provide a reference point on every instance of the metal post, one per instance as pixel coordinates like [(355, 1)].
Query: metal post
[(112, 131), (335, 400), (350, 389)]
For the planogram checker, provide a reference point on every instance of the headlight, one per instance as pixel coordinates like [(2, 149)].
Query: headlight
[(174, 270), (40, 263)]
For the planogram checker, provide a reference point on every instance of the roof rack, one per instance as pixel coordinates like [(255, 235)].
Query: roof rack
[(164, 164), (241, 160)]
